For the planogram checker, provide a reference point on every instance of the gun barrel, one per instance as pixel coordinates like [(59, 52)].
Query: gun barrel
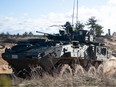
[(56, 26), (41, 32)]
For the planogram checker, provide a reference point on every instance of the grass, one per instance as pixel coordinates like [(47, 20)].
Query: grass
[(68, 81), (5, 81), (85, 79)]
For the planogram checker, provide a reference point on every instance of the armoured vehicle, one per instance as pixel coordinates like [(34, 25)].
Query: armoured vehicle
[(67, 47)]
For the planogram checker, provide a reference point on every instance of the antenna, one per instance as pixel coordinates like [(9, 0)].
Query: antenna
[(73, 12), (77, 13), (75, 4)]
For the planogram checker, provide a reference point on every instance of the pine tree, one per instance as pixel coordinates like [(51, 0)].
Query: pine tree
[(94, 27)]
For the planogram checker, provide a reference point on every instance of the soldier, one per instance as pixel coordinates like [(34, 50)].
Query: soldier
[(68, 28)]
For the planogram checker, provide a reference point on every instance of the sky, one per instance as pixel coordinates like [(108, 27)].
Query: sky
[(19, 16)]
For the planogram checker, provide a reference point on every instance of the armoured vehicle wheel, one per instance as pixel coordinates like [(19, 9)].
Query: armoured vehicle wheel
[(79, 70), (92, 71), (100, 69), (66, 69), (37, 72), (23, 74)]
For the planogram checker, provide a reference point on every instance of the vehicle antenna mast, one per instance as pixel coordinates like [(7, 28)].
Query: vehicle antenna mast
[(77, 13), (73, 15)]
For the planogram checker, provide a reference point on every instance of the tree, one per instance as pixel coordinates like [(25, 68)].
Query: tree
[(2, 34), (99, 30), (17, 35), (79, 25), (7, 35), (91, 23), (25, 34), (30, 34), (95, 28)]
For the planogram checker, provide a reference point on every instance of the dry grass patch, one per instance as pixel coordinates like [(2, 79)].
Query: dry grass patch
[(69, 81)]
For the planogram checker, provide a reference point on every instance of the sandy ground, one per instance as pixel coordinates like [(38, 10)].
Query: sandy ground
[(109, 66), (4, 69)]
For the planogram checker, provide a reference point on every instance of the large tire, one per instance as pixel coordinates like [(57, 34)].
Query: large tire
[(65, 70), (79, 70), (22, 74), (37, 72), (100, 69), (92, 71)]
